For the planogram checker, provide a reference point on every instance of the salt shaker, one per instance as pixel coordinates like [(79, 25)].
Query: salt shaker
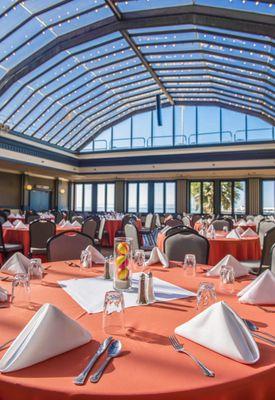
[(150, 288), (106, 274), (142, 298)]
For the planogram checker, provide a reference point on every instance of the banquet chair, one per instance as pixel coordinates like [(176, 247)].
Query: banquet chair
[(77, 218), (125, 220), (264, 226), (258, 266), (194, 219), (257, 221), (186, 220), (174, 222), (219, 224), (67, 246), (148, 231), (272, 265), (31, 217), (183, 242), (3, 217), (131, 232), (98, 239), (89, 227), (40, 231), (7, 248)]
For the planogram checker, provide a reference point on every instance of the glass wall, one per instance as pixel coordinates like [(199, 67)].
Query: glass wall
[(233, 197), (201, 197), (88, 199), (78, 205), (94, 197), (268, 196), (183, 126), (164, 197), (105, 197), (137, 197)]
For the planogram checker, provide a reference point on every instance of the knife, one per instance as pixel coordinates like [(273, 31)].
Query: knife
[(80, 379)]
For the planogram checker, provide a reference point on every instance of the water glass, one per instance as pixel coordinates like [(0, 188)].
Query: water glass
[(139, 260), (189, 265), (225, 229), (36, 270), (21, 290), (227, 279), (206, 296), (113, 313), (86, 260)]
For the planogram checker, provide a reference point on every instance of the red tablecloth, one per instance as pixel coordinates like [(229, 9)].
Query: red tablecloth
[(22, 236), (242, 249), (199, 225), (111, 227), (148, 368)]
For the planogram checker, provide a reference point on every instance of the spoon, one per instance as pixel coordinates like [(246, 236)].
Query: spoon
[(250, 324), (113, 351), (254, 328)]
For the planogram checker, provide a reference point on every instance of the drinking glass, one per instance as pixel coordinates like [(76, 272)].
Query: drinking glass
[(113, 313), (139, 260), (21, 290), (86, 260), (189, 265), (225, 229), (122, 264), (206, 295), (227, 279), (35, 270)]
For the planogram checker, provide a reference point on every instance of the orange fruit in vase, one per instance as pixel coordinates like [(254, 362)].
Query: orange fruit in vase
[(123, 274), (120, 260), (123, 248)]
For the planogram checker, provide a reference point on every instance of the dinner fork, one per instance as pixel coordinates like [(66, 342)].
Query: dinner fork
[(180, 349)]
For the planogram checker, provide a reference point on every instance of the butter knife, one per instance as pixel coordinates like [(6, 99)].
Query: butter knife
[(80, 379)]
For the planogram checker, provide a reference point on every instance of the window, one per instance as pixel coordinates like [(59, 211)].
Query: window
[(268, 196), (208, 124), (110, 206), (164, 197), (88, 197), (78, 197), (202, 197), (233, 197), (105, 197), (137, 197)]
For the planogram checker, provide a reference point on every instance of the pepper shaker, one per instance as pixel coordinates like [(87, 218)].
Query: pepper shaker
[(150, 288), (142, 298)]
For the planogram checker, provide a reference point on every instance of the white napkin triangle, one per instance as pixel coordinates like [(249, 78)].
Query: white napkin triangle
[(3, 295), (11, 215), (62, 222), (20, 225), (249, 233), (220, 329), (16, 222), (18, 216), (97, 257), (76, 223), (157, 256), (242, 222), (16, 264), (260, 291), (49, 333), (239, 230), (239, 269), (7, 224), (67, 224), (234, 234)]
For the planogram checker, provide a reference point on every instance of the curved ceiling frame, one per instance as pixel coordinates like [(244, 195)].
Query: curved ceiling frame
[(201, 12)]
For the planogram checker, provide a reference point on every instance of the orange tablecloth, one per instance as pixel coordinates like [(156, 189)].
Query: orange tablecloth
[(111, 227), (148, 369), (242, 249), (22, 236)]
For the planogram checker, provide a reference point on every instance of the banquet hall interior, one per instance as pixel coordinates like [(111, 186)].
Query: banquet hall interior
[(137, 167)]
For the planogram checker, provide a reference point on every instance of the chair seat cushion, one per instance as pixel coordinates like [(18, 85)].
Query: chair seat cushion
[(11, 247), (37, 250)]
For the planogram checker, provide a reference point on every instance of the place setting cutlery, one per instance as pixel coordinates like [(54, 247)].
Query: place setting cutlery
[(180, 349), (113, 351), (4, 345), (71, 264), (253, 328)]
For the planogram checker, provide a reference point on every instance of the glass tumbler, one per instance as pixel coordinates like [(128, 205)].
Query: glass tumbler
[(21, 290), (206, 296), (227, 279), (113, 313), (189, 265), (86, 260), (36, 270), (139, 260), (122, 264)]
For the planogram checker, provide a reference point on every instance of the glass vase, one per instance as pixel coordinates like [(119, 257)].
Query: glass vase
[(122, 273)]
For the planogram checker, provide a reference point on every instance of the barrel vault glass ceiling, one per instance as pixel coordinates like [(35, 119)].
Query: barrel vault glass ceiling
[(71, 68)]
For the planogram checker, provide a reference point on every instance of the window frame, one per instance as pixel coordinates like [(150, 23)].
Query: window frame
[(94, 193), (164, 196), (233, 195), (127, 197), (201, 181)]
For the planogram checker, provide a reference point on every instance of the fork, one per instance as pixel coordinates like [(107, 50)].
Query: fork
[(180, 349)]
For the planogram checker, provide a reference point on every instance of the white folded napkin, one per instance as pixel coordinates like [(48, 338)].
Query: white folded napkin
[(260, 291), (7, 224), (20, 225), (242, 222), (16, 222), (234, 234), (97, 257), (249, 233), (49, 333), (239, 230), (62, 222), (67, 224), (18, 216), (220, 329), (3, 295), (76, 223), (16, 264), (157, 256), (231, 261), (11, 215)]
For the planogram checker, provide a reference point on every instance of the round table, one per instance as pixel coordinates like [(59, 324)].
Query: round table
[(243, 249), (199, 225), (148, 368)]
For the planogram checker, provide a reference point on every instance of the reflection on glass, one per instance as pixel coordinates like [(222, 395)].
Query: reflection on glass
[(158, 197), (143, 197), (268, 192), (88, 197), (226, 197), (208, 128), (239, 197), (78, 197), (170, 197), (195, 197), (110, 197), (101, 197), (132, 197), (208, 197)]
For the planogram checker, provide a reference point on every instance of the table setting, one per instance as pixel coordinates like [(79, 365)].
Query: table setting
[(82, 329)]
